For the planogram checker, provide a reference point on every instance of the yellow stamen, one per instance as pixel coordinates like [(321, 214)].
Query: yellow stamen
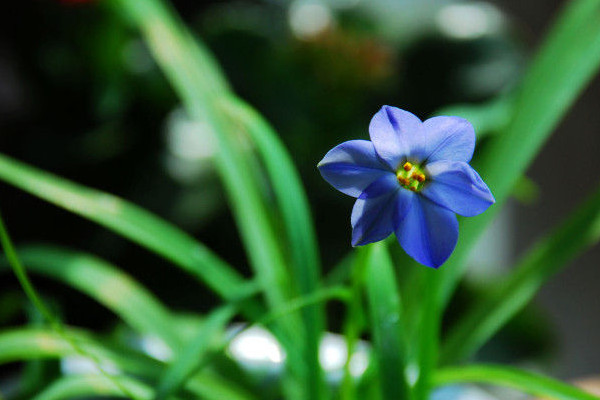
[(407, 166)]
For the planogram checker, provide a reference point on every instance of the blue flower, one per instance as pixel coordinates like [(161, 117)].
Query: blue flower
[(411, 179)]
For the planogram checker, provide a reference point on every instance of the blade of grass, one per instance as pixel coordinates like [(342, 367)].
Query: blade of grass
[(40, 306), (578, 232), (106, 284), (130, 221), (185, 65), (527, 382), (388, 332), (209, 337), (355, 266), (76, 386), (38, 343), (297, 220), (173, 47)]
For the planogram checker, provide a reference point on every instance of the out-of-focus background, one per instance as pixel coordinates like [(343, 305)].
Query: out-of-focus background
[(80, 96)]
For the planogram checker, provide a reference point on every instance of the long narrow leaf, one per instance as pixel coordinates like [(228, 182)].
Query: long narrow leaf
[(567, 61), (38, 343), (564, 65), (77, 386), (184, 64), (527, 382), (130, 221), (579, 231), (386, 323), (106, 284), (209, 337)]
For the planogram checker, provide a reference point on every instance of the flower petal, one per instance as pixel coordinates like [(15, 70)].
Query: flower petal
[(458, 187), (428, 232), (373, 212), (392, 132), (446, 138), (352, 166)]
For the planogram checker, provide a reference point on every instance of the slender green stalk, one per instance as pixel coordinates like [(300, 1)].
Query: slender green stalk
[(354, 322), (386, 322), (527, 382), (33, 296)]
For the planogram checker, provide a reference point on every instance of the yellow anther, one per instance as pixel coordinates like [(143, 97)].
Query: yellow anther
[(404, 180), (413, 189), (419, 177), (407, 166)]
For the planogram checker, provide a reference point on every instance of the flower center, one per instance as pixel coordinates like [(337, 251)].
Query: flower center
[(411, 176)]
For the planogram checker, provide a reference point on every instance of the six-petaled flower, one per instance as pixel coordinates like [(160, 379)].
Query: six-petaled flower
[(411, 179)]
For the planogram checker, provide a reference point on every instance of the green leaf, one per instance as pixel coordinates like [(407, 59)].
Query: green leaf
[(75, 386), (199, 82), (209, 337), (297, 220), (578, 232), (130, 221), (106, 284), (386, 324), (567, 61), (527, 382), (177, 53), (38, 343)]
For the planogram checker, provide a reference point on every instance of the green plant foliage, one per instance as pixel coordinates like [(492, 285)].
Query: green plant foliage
[(76, 386), (554, 252), (197, 79), (527, 382), (565, 63), (106, 284), (130, 221), (210, 336), (387, 325)]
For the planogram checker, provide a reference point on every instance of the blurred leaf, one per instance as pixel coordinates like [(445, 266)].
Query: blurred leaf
[(387, 327), (197, 78), (130, 221), (37, 343), (297, 220), (209, 337), (177, 54), (106, 284), (527, 382), (76, 386), (355, 266), (578, 232), (566, 62), (526, 191)]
